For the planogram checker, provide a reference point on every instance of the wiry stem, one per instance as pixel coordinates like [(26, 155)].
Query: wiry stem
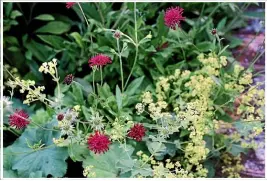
[(83, 15), (136, 46), (119, 54)]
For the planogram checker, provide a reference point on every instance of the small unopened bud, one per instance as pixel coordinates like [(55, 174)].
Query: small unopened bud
[(68, 79), (60, 117), (149, 36), (117, 34), (213, 31)]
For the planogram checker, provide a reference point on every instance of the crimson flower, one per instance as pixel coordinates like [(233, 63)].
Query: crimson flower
[(98, 143), (99, 60), (173, 16), (137, 132), (69, 4), (19, 119)]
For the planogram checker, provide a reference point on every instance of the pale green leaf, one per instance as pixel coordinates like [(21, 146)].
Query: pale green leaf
[(45, 17), (54, 27), (50, 159), (108, 165)]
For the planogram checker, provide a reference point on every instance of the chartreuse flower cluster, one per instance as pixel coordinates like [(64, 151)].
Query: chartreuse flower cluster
[(232, 166), (185, 101), (35, 93)]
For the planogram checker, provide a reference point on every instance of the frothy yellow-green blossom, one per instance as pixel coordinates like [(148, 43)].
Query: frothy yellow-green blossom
[(87, 172), (232, 166), (34, 93)]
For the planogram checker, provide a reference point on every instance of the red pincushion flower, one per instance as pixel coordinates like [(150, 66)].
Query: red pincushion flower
[(98, 143), (19, 119), (137, 132), (173, 16), (69, 5), (99, 60)]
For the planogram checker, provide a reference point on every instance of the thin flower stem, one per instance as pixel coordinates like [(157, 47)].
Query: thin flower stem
[(83, 15), (136, 46), (94, 80), (121, 15), (219, 42), (135, 23), (11, 130), (135, 60), (119, 54), (101, 75), (126, 36), (181, 44), (100, 13), (91, 39)]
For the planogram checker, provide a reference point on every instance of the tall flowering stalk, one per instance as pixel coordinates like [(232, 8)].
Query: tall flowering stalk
[(136, 46), (96, 62)]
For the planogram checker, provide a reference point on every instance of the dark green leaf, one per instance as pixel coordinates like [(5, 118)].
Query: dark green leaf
[(56, 42), (118, 97), (15, 14), (134, 86), (54, 27), (45, 17)]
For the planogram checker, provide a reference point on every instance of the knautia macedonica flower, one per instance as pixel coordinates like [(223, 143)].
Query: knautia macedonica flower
[(98, 143), (69, 4), (99, 60), (137, 132), (68, 79), (19, 119), (173, 16)]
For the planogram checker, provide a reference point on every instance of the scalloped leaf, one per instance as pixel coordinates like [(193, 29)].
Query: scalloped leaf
[(109, 164), (50, 160)]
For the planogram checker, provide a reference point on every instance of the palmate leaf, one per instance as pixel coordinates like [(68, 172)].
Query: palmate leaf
[(7, 165), (109, 164), (27, 162)]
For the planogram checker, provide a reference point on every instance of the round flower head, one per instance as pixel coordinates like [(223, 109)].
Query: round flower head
[(99, 60), (69, 4), (19, 119), (60, 117), (173, 16), (213, 31), (71, 115), (137, 132), (117, 34), (98, 143), (68, 79)]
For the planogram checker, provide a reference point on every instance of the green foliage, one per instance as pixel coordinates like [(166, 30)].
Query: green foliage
[(48, 159), (111, 163)]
